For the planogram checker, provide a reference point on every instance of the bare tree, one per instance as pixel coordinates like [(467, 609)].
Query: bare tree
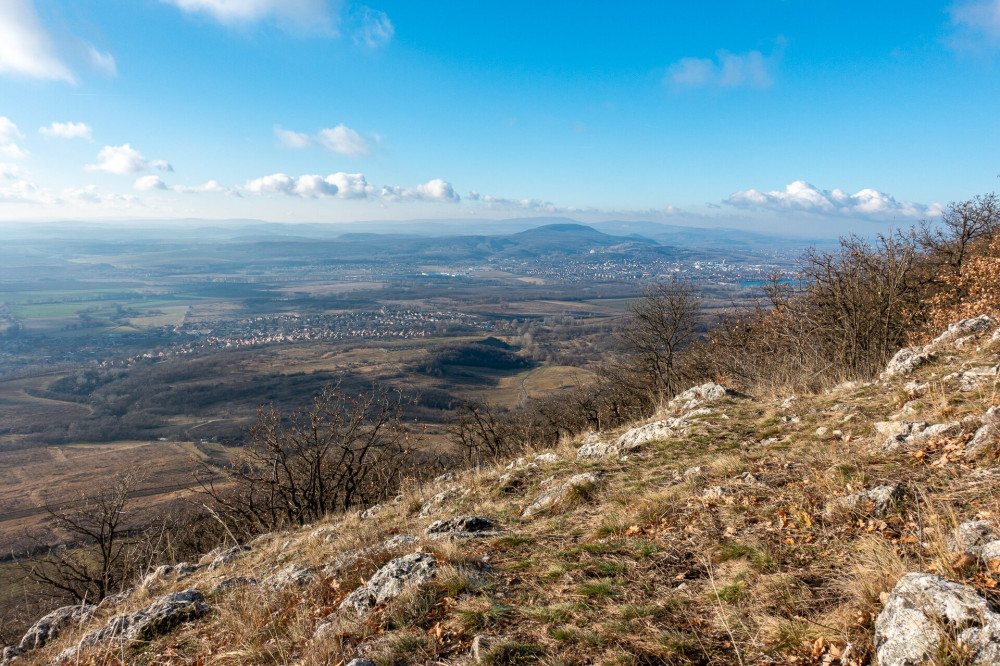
[(662, 323), (962, 224), (106, 547), (341, 451), (483, 432)]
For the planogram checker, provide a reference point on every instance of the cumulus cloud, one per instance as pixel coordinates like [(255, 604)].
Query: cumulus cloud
[(343, 140), (433, 190), (290, 139), (307, 15), (25, 47), (124, 160), (68, 130), (9, 134), (340, 139), (147, 183), (728, 70), (340, 185), (9, 171), (375, 28), (802, 196)]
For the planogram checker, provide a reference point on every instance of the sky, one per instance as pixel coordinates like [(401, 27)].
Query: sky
[(774, 115)]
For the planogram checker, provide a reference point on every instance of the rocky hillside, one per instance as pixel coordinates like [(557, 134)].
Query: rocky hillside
[(857, 526)]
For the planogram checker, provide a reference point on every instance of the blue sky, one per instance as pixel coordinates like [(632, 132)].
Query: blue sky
[(787, 115)]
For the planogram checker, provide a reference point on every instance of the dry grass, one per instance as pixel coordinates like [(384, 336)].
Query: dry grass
[(650, 565)]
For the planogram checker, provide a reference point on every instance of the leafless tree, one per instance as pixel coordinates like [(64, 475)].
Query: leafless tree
[(483, 432), (662, 323), (343, 450), (962, 224), (106, 546)]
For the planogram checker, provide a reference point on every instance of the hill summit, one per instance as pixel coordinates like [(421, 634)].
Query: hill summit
[(854, 526)]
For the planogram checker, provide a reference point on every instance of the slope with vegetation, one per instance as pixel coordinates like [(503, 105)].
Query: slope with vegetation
[(836, 504)]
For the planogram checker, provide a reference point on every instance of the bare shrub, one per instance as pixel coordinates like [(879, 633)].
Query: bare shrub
[(341, 451)]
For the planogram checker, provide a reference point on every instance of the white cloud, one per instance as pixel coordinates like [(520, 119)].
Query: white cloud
[(13, 151), (340, 185), (492, 201), (102, 60), (340, 139), (343, 140), (125, 160), (306, 15), (802, 196), (350, 185), (433, 190), (8, 130), (277, 183), (68, 130), (210, 186), (9, 171), (23, 191), (727, 70), (375, 30), (290, 139), (977, 16), (90, 195), (25, 47), (147, 183)]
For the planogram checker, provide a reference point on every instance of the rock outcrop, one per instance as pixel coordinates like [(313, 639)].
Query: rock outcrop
[(924, 612), (390, 581)]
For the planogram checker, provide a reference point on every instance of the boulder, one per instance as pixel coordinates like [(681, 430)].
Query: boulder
[(881, 498), (144, 624), (463, 527), (923, 611), (390, 581), (636, 437), (696, 396), (293, 574), (547, 500), (985, 437), (906, 360), (176, 571), (226, 556), (596, 449), (52, 624), (435, 503), (963, 328), (972, 535)]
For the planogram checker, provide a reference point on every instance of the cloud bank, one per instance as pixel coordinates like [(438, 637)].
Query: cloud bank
[(801, 196)]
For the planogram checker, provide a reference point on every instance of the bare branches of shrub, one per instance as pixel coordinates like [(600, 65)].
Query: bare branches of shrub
[(343, 450)]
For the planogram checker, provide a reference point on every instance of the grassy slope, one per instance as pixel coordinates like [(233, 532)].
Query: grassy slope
[(651, 565)]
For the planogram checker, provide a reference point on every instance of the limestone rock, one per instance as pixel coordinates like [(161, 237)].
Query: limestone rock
[(972, 535), (438, 501), (906, 360), (233, 582), (696, 396), (176, 571), (146, 623), (985, 436), (481, 645), (596, 450), (963, 328), (463, 527), (636, 437), (52, 624), (552, 496), (361, 662), (293, 574), (390, 581), (882, 498), (544, 459), (923, 610), (226, 556)]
